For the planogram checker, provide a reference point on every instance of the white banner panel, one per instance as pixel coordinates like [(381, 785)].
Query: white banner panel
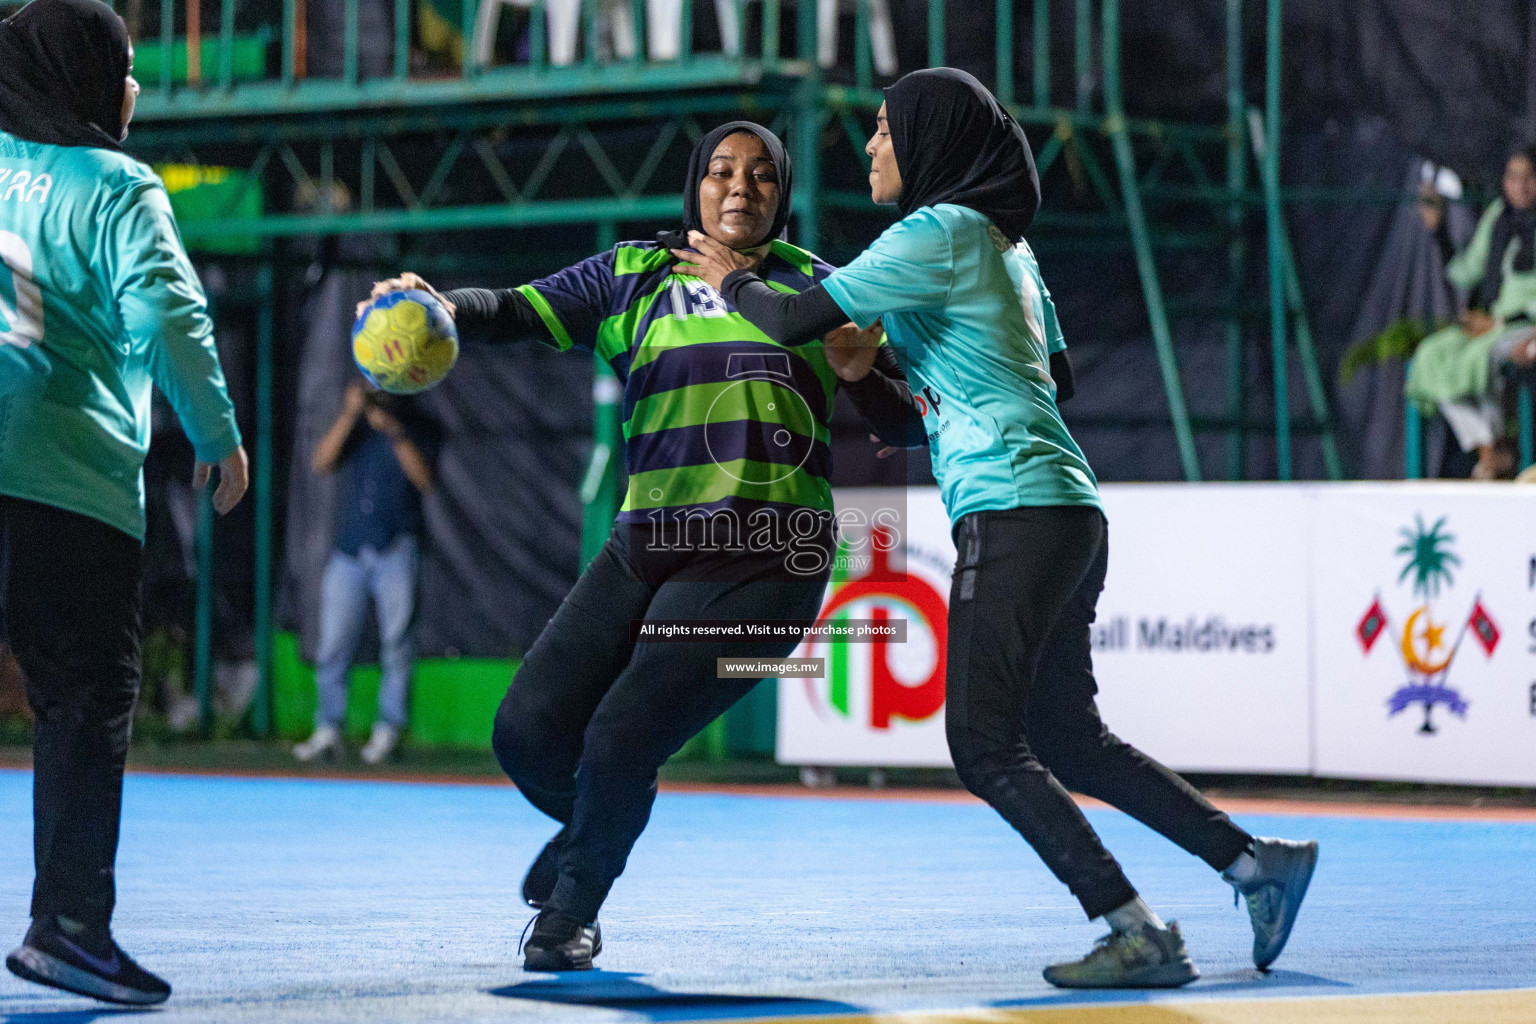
[(1196, 664), (880, 704), (1200, 648), (1423, 630), (1354, 630)]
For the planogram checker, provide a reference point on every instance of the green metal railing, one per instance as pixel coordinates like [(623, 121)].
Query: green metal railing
[(292, 88), (1141, 237), (352, 129)]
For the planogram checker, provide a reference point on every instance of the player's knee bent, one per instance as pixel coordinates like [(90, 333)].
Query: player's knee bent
[(518, 737), (979, 760)]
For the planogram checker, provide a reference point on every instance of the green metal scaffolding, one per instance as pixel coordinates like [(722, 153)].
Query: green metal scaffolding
[(291, 135)]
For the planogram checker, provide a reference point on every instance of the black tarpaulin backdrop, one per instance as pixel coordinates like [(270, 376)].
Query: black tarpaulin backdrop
[(1372, 89), (502, 527)]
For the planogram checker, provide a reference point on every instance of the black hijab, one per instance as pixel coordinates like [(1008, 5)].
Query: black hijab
[(1512, 225), (955, 144), (62, 66), (698, 166)]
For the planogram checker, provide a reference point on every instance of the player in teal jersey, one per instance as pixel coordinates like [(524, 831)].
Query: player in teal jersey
[(98, 304), (962, 300), (727, 517)]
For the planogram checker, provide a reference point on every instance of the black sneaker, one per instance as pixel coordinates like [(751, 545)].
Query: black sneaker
[(543, 873), (86, 962), (561, 943)]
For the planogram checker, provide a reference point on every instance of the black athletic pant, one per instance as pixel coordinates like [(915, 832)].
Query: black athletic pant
[(591, 717), (69, 590), (1022, 723)]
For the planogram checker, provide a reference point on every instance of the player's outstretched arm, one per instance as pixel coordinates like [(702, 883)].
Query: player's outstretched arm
[(481, 315), (792, 319)]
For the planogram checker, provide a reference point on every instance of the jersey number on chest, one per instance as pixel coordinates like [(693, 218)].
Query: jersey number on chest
[(696, 298)]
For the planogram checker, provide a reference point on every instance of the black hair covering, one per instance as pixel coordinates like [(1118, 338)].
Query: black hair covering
[(955, 144), (1512, 225), (62, 66), (698, 166)]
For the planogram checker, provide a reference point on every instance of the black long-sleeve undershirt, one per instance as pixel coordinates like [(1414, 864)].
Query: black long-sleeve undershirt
[(789, 319), (490, 317), (497, 316), (884, 398), (802, 317)]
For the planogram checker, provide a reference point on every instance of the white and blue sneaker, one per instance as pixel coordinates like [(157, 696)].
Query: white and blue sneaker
[(63, 954), (1275, 892)]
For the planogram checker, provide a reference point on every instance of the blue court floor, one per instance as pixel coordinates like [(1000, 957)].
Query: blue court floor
[(291, 900)]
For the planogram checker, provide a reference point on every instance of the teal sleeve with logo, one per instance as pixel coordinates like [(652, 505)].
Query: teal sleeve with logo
[(99, 305)]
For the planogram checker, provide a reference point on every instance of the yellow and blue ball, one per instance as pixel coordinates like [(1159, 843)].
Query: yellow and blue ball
[(405, 342)]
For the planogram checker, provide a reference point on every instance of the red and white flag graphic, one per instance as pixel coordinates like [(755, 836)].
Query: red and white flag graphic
[(1372, 625), (1483, 628)]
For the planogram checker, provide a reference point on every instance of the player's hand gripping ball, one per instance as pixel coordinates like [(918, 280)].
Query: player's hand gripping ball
[(405, 342)]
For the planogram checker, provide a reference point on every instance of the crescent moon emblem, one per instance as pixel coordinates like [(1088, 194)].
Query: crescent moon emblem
[(1411, 656)]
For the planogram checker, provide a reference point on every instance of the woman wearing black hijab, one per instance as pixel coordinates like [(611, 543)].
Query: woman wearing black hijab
[(963, 303), (102, 305), (727, 517)]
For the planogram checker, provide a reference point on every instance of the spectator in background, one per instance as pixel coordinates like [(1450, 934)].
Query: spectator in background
[(1457, 369), (387, 448)]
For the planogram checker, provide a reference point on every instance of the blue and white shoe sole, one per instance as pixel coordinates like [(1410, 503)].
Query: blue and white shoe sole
[(1295, 891), (36, 966)]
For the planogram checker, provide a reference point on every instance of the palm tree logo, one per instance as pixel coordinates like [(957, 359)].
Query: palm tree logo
[(1429, 557)]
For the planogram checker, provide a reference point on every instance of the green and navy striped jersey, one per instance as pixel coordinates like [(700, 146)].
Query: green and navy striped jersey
[(716, 414)]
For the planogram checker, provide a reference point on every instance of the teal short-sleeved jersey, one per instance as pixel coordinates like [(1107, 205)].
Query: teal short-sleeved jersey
[(98, 305), (973, 326)]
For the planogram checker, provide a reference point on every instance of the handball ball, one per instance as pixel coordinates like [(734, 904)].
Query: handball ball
[(405, 342)]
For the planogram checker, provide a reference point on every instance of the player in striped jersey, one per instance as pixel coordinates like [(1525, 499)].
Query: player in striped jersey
[(727, 516)]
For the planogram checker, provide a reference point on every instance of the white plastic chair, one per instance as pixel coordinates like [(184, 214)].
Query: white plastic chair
[(664, 30), (882, 34), (563, 23)]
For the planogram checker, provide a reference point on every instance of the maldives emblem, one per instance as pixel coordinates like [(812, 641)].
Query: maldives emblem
[(1426, 651)]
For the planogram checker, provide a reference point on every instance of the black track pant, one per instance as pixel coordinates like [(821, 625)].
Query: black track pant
[(1023, 726), (69, 590), (590, 716)]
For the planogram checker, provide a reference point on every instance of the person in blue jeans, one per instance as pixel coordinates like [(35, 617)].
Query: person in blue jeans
[(386, 449)]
